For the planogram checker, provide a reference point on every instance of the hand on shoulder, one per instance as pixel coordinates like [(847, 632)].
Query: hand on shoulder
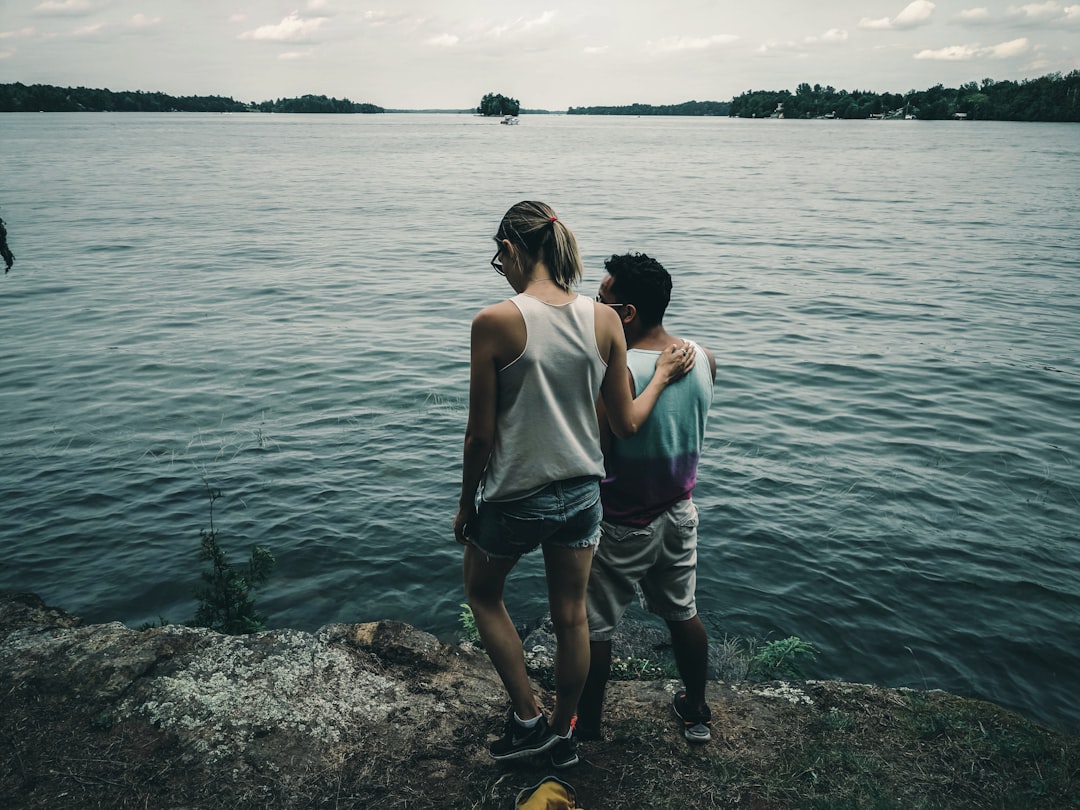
[(676, 360)]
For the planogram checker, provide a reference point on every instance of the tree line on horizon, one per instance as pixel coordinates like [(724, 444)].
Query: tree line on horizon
[(18, 97), (686, 108), (1054, 97), (1048, 98)]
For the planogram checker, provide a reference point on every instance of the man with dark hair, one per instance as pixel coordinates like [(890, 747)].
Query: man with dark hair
[(649, 532), (5, 251)]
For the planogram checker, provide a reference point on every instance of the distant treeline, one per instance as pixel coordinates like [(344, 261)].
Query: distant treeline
[(19, 97), (315, 104), (1050, 98), (686, 108)]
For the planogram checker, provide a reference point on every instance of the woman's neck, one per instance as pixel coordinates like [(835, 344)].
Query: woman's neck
[(545, 288)]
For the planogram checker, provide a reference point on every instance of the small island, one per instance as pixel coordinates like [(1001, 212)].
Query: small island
[(498, 104)]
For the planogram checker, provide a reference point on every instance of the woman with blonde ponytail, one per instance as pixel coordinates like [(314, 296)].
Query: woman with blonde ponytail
[(532, 460)]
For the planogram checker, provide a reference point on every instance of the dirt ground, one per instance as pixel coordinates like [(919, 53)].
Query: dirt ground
[(70, 739), (854, 747)]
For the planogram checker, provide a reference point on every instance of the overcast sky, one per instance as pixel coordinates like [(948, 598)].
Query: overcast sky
[(550, 54)]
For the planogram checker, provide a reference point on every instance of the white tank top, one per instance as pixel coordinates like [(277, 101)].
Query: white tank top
[(545, 418)]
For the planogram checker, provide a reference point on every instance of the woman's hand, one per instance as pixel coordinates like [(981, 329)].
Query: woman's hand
[(675, 362), (464, 516)]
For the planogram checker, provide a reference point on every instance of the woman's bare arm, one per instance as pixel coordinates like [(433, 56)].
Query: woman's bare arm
[(480, 431)]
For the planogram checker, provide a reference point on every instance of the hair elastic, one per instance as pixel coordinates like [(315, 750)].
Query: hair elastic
[(552, 219)]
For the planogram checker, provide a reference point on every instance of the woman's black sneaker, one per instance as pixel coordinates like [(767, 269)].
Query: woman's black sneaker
[(564, 752), (519, 741)]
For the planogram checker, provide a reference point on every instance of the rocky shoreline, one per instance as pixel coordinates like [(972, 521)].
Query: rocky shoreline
[(384, 715)]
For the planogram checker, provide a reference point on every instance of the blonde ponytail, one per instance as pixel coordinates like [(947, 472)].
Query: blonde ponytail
[(534, 229)]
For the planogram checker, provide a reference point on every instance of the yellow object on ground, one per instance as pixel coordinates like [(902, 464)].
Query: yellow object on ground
[(549, 794)]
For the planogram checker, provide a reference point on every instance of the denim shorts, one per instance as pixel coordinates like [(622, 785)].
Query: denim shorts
[(659, 560), (563, 513)]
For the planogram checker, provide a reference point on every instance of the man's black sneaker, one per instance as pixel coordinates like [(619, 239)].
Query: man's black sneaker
[(696, 726), (519, 741), (564, 752)]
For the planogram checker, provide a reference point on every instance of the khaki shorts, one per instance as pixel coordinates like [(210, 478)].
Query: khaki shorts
[(660, 558)]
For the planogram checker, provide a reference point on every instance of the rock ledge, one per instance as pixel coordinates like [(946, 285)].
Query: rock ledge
[(385, 715)]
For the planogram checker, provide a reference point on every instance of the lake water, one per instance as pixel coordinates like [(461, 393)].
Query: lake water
[(278, 307)]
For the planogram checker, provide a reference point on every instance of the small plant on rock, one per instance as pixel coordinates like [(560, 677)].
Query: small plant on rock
[(777, 659), (469, 632), (636, 669), (227, 602)]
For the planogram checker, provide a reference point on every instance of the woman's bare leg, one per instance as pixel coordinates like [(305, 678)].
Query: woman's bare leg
[(567, 578), (484, 580)]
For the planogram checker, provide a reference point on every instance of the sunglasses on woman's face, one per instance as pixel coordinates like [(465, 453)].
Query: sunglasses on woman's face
[(497, 264)]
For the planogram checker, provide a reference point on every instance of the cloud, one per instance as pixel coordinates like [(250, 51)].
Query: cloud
[(22, 33), (444, 40), (88, 30), (6, 54), (65, 8), (676, 44), (142, 21), (1043, 14), (833, 35), (880, 24), (1048, 14), (973, 16), (1013, 47), (1036, 11), (544, 19), (967, 53), (520, 25), (775, 45), (915, 14), (595, 49), (483, 34), (291, 29), (376, 18), (293, 56)]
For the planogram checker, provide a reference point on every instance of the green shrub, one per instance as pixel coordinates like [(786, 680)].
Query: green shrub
[(777, 659), (226, 602), (469, 632)]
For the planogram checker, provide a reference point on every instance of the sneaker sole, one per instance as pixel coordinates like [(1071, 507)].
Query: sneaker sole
[(690, 727), (521, 753), (568, 764), (692, 735)]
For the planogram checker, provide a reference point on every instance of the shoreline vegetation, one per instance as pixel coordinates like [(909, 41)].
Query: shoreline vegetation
[(1051, 98)]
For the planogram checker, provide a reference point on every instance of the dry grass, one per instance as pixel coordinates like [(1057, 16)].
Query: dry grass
[(857, 747)]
